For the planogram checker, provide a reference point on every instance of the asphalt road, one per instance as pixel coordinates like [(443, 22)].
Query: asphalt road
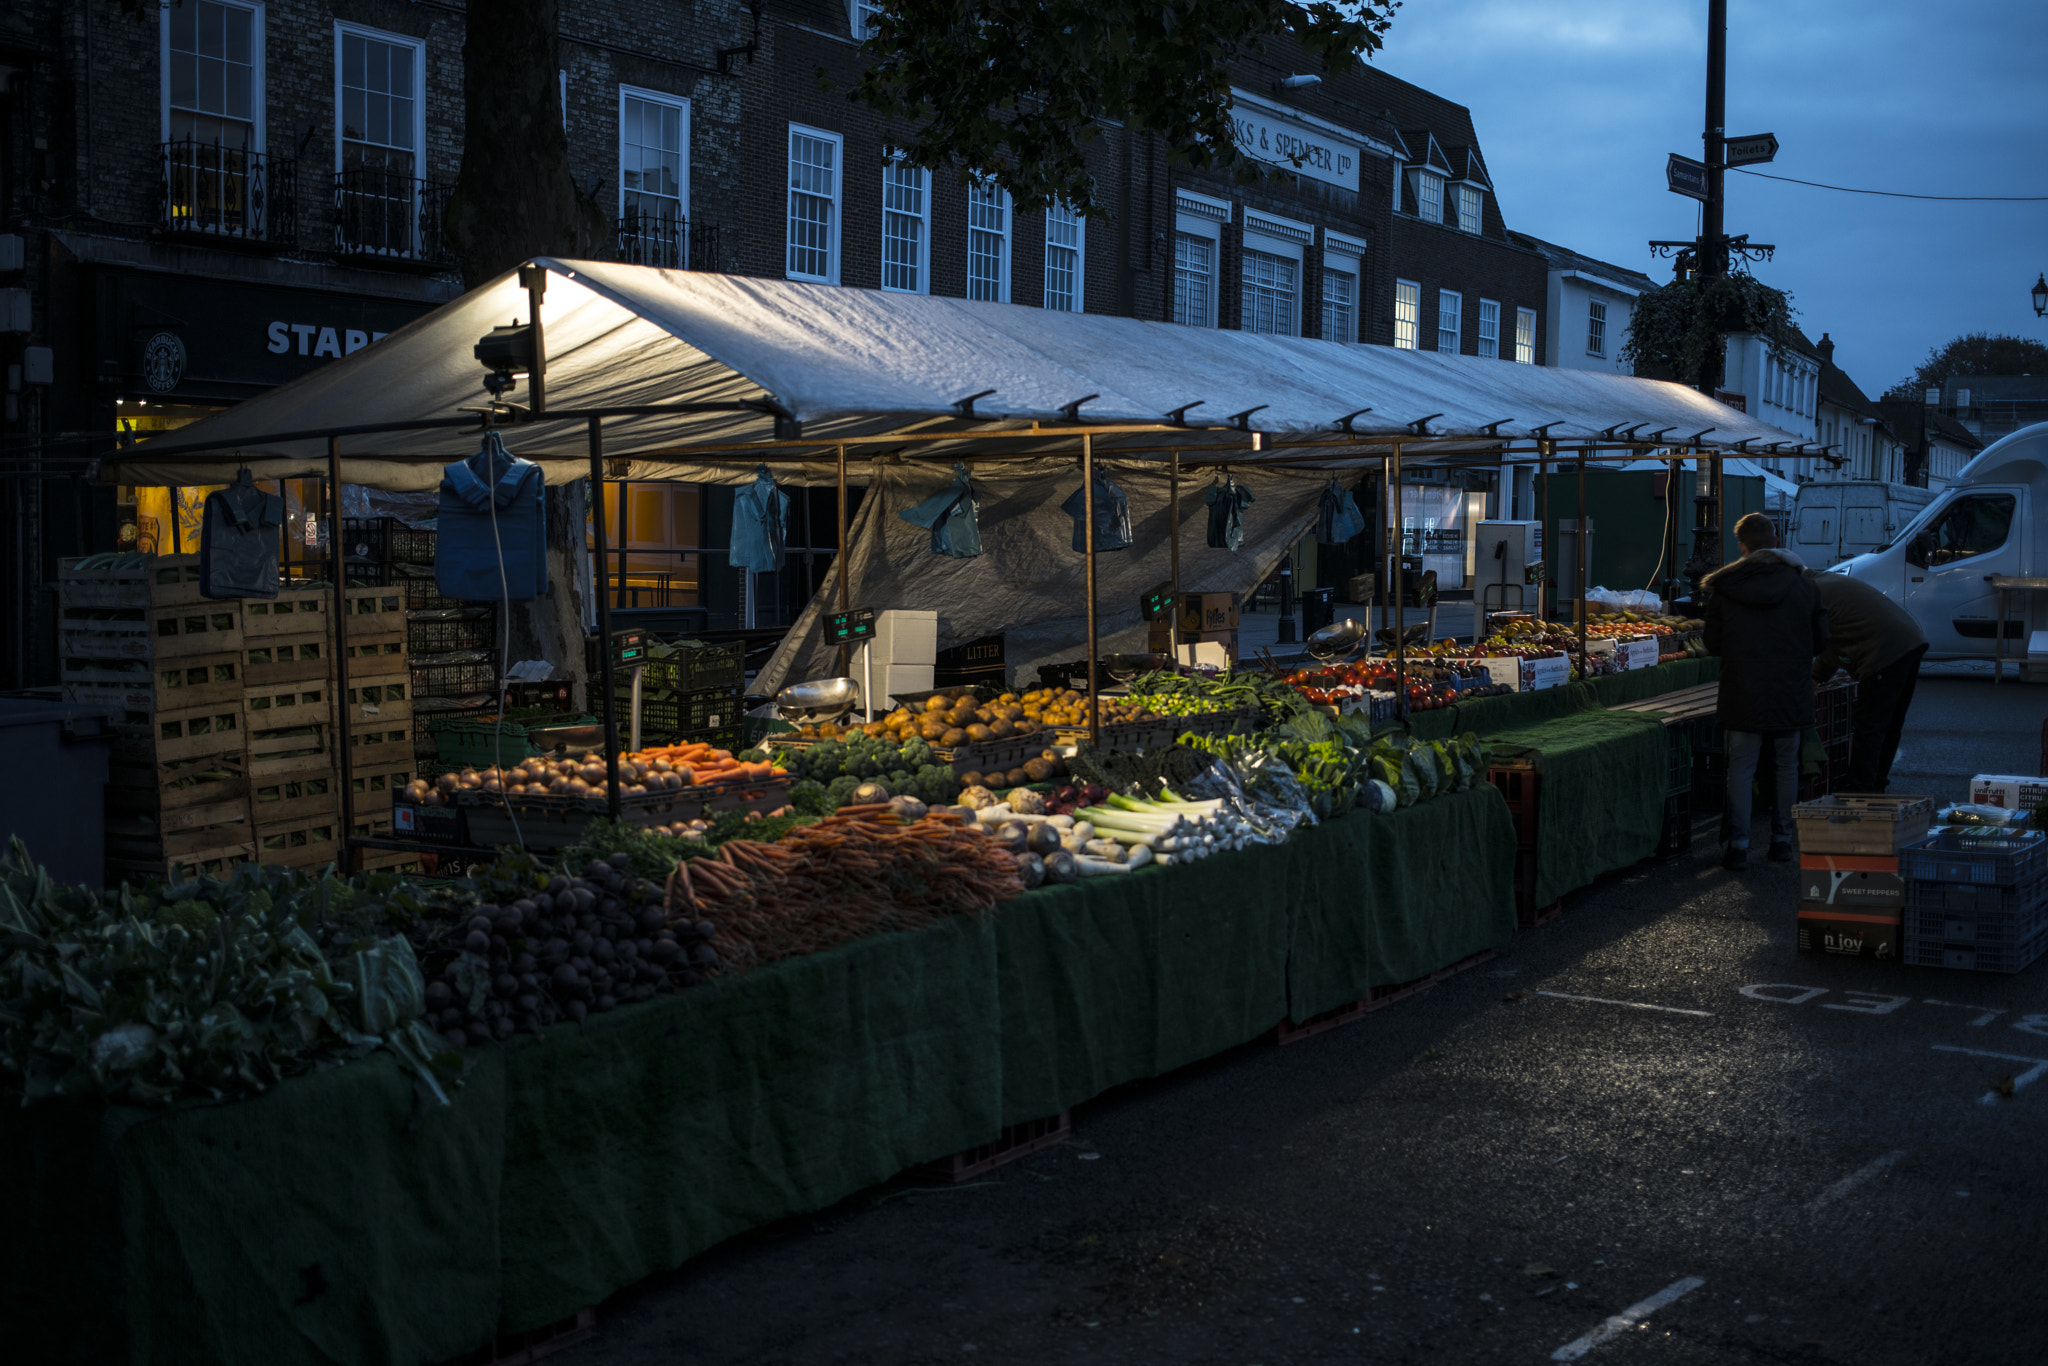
[(1647, 1132)]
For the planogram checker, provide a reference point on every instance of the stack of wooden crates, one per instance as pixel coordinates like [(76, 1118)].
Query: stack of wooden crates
[(225, 712)]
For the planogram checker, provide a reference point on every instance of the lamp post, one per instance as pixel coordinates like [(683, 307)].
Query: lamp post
[(2041, 295)]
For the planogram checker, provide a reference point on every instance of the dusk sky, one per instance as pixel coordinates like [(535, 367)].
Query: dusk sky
[(1577, 103)]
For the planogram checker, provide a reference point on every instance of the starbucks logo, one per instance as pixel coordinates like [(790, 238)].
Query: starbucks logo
[(163, 362)]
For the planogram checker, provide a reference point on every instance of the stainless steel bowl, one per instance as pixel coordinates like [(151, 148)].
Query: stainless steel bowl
[(1125, 667), (1337, 639), (826, 699), (566, 739)]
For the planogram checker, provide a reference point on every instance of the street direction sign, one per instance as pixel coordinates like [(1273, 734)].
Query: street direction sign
[(1683, 175), (1753, 150)]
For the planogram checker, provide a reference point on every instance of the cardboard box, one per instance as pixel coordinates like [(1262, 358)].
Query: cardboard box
[(1226, 639), (1544, 671), (1207, 654), (1636, 654), (1202, 614), (906, 637), (975, 661), (1159, 637), (2012, 793), (1852, 882), (1848, 934), (897, 680)]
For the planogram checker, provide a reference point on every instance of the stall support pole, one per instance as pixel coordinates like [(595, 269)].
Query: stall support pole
[(1379, 579), (1544, 449), (1088, 540), (1579, 608), (1173, 544), (604, 625), (845, 592), (342, 758), (1400, 585), (1720, 513)]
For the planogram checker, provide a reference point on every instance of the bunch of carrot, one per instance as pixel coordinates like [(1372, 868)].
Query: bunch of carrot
[(704, 763), (863, 871)]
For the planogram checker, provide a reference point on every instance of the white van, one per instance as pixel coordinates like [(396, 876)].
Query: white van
[(1839, 520), (1989, 520)]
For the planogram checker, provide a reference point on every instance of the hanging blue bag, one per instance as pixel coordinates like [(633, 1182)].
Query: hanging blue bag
[(1112, 517), (757, 515), (1227, 502), (493, 540), (1337, 517), (953, 517)]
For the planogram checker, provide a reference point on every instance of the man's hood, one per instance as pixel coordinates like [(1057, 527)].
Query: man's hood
[(1761, 578)]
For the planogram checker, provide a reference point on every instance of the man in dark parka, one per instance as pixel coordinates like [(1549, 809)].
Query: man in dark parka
[(1766, 621)]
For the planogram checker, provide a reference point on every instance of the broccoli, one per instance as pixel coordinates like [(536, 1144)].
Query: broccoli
[(916, 754), (937, 785), (809, 797), (897, 781), (840, 791)]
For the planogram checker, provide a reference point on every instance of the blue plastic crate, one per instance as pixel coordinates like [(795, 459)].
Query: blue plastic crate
[(1920, 949), (2001, 860)]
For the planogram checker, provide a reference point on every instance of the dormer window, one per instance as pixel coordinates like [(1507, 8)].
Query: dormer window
[(861, 16), (1429, 196), (1469, 219)]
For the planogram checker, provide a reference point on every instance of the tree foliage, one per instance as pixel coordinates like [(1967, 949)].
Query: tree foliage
[(1017, 90), (1975, 353), (1676, 327)]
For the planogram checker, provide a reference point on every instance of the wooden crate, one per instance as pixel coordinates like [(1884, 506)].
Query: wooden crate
[(376, 616), (369, 658), (275, 660), (159, 581), (381, 746), (174, 734), (308, 844), (291, 752), (216, 862), (284, 799), (380, 699), (372, 787), (144, 687), (296, 612), (288, 705), (148, 633), (168, 833)]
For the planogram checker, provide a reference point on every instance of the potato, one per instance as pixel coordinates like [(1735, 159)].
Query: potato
[(952, 737), (972, 778), (1016, 777), (1038, 770), (999, 730), (977, 732), (935, 703)]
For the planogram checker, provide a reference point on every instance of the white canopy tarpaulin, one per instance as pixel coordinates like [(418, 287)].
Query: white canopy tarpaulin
[(827, 364)]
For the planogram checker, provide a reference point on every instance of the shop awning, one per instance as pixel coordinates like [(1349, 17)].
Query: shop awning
[(785, 370)]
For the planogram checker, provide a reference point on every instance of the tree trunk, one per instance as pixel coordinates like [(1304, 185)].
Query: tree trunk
[(514, 198)]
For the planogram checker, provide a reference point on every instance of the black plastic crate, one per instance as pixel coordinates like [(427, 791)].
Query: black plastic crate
[(550, 696), (1678, 745), (366, 541), (412, 544), (422, 594), (454, 680), (431, 636), (1674, 840), (666, 721)]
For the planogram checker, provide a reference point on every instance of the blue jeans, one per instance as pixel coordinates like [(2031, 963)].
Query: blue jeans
[(1744, 746)]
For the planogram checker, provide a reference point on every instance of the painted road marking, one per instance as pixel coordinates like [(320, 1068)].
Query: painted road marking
[(1984, 1019), (2032, 1074), (1617, 1324), (1853, 1180), (1632, 1005)]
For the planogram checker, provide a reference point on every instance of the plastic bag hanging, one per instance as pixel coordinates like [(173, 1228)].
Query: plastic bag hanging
[(238, 541), (1227, 501), (1337, 517), (953, 517), (492, 545), (757, 518), (1112, 517)]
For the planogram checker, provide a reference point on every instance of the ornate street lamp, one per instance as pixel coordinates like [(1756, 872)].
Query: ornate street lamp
[(2041, 296)]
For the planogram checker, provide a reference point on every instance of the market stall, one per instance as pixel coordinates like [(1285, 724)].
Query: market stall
[(680, 1016)]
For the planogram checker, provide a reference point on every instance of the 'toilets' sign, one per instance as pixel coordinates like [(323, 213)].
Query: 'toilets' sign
[(1296, 148)]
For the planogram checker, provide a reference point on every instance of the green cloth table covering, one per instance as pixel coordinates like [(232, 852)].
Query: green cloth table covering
[(1512, 711), (1116, 978), (1600, 805), (1378, 901)]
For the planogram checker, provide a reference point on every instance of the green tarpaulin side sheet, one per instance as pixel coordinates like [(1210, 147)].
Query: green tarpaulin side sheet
[(1601, 802), (1121, 977), (654, 1133), (1377, 903), (312, 1223)]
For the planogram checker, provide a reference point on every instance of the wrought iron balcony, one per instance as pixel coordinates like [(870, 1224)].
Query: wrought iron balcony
[(668, 240), (383, 215), (228, 193)]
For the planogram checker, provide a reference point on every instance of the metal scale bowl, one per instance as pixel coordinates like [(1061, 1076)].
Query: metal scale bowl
[(1337, 642), (1125, 667), (825, 699)]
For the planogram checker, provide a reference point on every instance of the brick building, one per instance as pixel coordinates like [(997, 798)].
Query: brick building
[(203, 200)]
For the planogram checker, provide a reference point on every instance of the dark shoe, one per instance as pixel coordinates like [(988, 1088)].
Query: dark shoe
[(1734, 860), (1781, 851)]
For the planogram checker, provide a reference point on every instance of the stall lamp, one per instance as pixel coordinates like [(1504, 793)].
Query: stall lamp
[(2041, 295)]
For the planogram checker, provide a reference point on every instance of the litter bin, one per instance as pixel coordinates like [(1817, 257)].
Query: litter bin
[(62, 818), (1318, 609)]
